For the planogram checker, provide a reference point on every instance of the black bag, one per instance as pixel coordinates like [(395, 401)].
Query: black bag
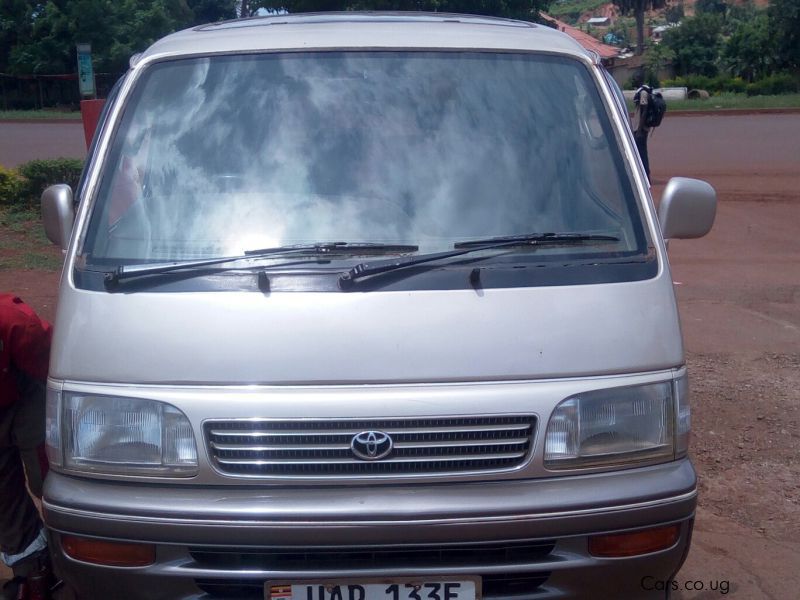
[(656, 106), (655, 110)]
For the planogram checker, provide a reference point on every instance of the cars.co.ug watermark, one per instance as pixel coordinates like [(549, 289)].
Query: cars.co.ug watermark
[(653, 584)]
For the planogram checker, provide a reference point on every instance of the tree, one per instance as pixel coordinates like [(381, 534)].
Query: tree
[(208, 11), (656, 58), (784, 27), (717, 7), (674, 13), (638, 8), (738, 14), (749, 52), (139, 23), (15, 25), (516, 9), (115, 29), (51, 31), (40, 37), (696, 44)]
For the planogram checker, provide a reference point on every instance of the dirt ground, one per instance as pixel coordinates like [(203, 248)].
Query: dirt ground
[(739, 297)]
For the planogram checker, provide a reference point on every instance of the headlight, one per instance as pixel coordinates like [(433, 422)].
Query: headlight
[(126, 436), (618, 426)]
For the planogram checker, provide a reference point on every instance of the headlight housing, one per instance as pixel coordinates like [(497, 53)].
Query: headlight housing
[(116, 435), (619, 426)]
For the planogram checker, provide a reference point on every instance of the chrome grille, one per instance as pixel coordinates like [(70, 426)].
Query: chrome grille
[(322, 448)]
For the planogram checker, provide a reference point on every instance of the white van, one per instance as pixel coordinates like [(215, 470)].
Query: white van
[(368, 307)]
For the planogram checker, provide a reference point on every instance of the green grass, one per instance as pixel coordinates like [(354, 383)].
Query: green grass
[(727, 101), (23, 243), (738, 101), (40, 262), (16, 219), (570, 10), (16, 115), (31, 261)]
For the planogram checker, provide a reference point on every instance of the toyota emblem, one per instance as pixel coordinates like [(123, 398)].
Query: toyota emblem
[(371, 445)]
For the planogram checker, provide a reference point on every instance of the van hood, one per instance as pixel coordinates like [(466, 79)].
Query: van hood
[(231, 338)]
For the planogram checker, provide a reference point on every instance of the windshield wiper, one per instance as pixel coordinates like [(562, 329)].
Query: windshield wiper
[(363, 270), (326, 248), (540, 238), (343, 248)]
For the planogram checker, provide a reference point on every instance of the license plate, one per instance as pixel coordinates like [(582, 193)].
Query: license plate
[(416, 588)]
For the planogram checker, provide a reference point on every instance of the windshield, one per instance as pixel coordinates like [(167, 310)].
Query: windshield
[(218, 155)]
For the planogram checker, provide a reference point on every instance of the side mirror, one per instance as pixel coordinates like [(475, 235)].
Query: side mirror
[(58, 214), (687, 209)]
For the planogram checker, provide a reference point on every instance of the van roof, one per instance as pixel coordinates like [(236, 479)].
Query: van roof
[(363, 30)]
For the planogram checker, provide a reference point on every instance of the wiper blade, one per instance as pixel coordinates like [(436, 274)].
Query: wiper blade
[(363, 270), (540, 238), (346, 248), (129, 271)]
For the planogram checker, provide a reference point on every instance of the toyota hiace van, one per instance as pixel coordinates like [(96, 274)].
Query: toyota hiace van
[(368, 307)]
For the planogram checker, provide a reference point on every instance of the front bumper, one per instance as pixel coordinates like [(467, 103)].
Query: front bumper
[(227, 541)]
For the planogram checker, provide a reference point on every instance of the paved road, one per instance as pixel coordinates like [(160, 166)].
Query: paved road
[(734, 153), (21, 142), (709, 145), (715, 142)]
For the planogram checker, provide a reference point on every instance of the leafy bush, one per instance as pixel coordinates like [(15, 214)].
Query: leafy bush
[(699, 82), (715, 85), (736, 85), (780, 83), (39, 174), (11, 186)]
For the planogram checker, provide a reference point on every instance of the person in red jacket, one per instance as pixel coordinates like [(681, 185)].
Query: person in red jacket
[(24, 357)]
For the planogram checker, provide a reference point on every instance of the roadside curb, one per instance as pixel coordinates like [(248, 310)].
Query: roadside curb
[(734, 111)]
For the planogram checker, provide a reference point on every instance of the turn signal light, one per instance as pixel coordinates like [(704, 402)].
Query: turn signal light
[(113, 554), (632, 544)]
